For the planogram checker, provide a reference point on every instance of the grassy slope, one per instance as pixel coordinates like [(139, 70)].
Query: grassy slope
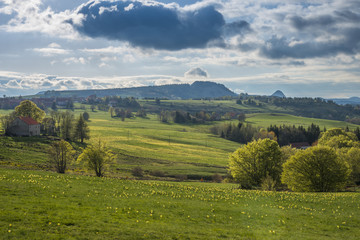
[(172, 148), (267, 119), (44, 205)]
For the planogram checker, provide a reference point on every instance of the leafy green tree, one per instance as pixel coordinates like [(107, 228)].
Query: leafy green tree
[(252, 163), (82, 130), (61, 154), (316, 169), (352, 157), (97, 157), (287, 153), (338, 138), (29, 109)]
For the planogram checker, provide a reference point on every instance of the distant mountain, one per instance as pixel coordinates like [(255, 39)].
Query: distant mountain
[(199, 89), (279, 94), (344, 101)]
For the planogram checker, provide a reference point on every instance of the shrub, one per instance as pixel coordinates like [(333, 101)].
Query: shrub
[(86, 116), (98, 157), (316, 169), (181, 177), (268, 184), (217, 178), (157, 173), (137, 172)]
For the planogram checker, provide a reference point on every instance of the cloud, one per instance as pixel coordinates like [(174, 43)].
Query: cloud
[(76, 60), (277, 48), (51, 50), (237, 28), (155, 25), (196, 73), (32, 16)]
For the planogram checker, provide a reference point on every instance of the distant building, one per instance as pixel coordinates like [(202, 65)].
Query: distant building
[(300, 145), (24, 126)]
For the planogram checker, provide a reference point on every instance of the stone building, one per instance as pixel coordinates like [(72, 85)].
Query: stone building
[(24, 126)]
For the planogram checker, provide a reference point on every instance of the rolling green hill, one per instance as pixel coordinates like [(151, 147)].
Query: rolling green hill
[(173, 149)]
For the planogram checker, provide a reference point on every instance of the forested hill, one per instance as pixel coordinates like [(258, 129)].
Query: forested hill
[(198, 89)]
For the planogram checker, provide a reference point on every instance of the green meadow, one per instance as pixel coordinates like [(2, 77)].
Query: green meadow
[(37, 203), (46, 205), (267, 119)]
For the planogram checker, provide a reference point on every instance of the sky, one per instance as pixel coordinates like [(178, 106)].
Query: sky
[(304, 48)]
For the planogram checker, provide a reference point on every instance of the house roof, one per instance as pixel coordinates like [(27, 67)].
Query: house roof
[(29, 120), (299, 144)]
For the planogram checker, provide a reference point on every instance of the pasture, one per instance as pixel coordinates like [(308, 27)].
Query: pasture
[(174, 149), (46, 205)]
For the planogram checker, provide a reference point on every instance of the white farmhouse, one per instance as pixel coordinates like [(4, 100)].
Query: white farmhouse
[(24, 126)]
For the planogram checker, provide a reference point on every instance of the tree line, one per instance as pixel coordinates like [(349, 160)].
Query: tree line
[(183, 117), (283, 135)]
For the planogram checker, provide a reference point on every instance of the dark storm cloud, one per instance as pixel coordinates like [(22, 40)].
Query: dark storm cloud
[(277, 48), (237, 28), (301, 23), (155, 26)]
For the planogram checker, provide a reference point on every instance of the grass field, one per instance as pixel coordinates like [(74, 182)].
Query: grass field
[(45, 205), (267, 119), (39, 204), (174, 149)]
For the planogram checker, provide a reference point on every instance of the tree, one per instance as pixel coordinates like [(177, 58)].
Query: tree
[(111, 110), (97, 157), (352, 157), (86, 116), (338, 138), (252, 163), (61, 154), (48, 126), (316, 169), (29, 109), (66, 125), (287, 152), (81, 129), (70, 104), (53, 106), (6, 121)]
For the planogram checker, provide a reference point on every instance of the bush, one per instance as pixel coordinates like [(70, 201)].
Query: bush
[(86, 116), (250, 164), (268, 184), (316, 169), (137, 172), (98, 157), (157, 173), (181, 177), (217, 178)]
